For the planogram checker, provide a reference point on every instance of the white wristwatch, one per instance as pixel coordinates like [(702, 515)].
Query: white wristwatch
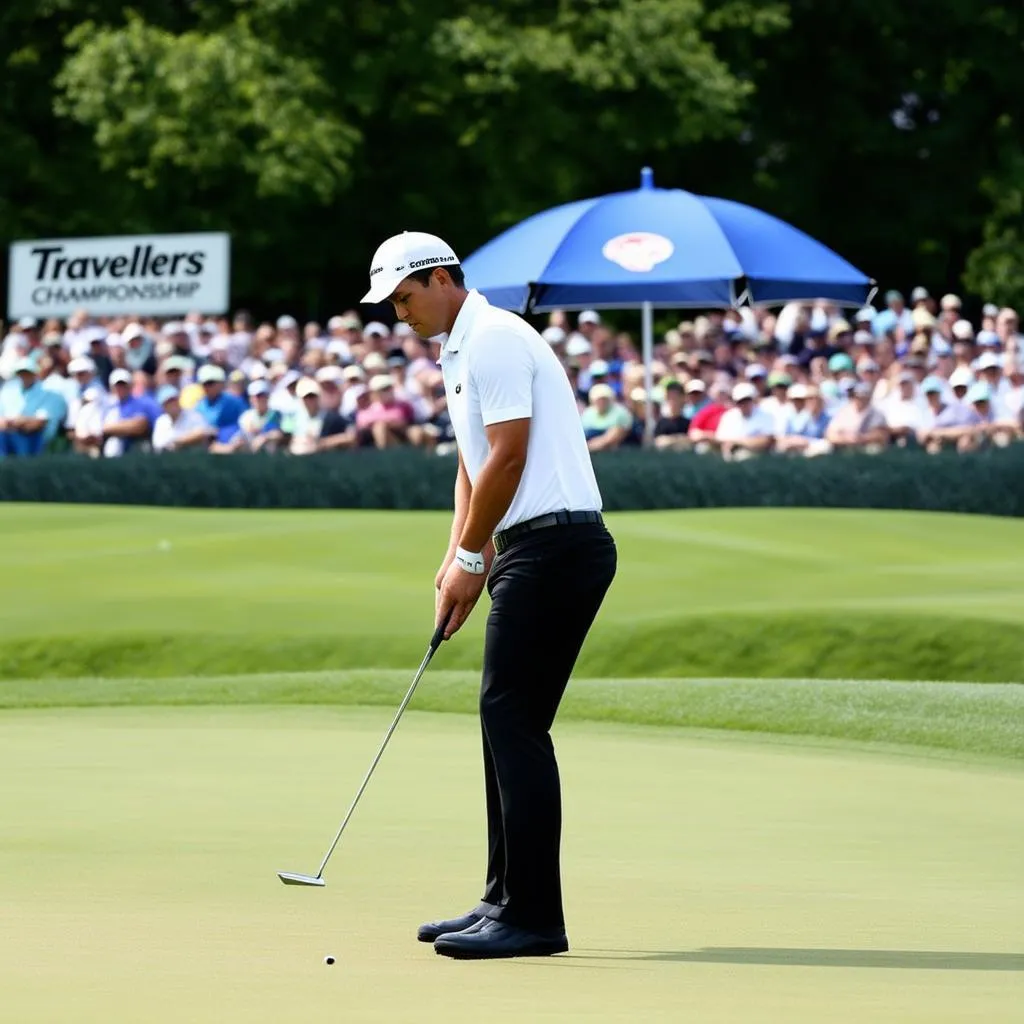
[(471, 561)]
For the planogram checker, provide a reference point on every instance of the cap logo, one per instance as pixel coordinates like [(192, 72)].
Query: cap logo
[(431, 261), (376, 270), (638, 251)]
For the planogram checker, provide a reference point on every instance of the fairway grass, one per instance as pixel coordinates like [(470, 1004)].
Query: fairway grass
[(958, 717), (706, 879), (783, 593)]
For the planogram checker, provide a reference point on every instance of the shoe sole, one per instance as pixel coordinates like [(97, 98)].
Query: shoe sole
[(468, 953)]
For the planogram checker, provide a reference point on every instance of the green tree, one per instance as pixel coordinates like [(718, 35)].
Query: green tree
[(312, 131), (995, 269), (874, 124)]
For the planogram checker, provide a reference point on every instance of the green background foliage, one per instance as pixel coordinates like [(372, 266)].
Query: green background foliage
[(310, 131)]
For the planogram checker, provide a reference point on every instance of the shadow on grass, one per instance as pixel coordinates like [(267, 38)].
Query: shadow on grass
[(905, 959)]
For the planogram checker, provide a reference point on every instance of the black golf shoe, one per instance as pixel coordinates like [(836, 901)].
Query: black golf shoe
[(495, 939), (429, 932)]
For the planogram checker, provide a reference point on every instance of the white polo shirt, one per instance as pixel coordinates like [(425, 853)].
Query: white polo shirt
[(496, 368)]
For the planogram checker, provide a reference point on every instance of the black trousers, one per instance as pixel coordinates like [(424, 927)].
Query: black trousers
[(546, 588)]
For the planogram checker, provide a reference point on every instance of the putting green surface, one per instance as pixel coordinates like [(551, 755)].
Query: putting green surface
[(707, 878), (130, 592)]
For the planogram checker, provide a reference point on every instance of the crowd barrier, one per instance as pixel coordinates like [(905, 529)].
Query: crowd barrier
[(989, 482)]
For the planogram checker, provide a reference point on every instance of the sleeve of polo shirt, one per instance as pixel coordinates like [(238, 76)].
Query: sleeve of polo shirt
[(503, 371)]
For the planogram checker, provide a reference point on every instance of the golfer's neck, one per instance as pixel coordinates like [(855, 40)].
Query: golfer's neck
[(454, 308)]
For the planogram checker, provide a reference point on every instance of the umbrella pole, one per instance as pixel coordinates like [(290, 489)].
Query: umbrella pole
[(648, 354)]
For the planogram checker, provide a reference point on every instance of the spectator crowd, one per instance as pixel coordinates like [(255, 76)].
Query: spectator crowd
[(804, 380)]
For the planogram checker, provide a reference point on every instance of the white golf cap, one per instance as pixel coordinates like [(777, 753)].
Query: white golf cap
[(402, 255)]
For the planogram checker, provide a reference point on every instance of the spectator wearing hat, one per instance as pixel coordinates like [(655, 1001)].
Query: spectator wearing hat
[(982, 426), (776, 401), (30, 415), (219, 407), (704, 423), (305, 434), (387, 420), (555, 336), (375, 341), (746, 429), (858, 424), (87, 433), (606, 423), (177, 428), (862, 345), (756, 374), (920, 298), (952, 412), (587, 323), (177, 372), (697, 397), (842, 369), (1007, 327), (671, 428), (989, 367), (259, 427), (350, 377), (933, 393), (345, 329), (138, 350), (128, 419), (803, 431), (949, 309), (895, 319), (82, 373), (904, 411), (598, 372)]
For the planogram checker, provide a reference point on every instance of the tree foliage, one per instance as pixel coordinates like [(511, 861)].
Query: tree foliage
[(311, 130)]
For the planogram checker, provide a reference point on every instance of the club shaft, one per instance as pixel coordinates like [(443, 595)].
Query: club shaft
[(387, 736)]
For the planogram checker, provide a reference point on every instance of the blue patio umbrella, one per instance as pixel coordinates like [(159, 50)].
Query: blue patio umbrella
[(658, 248)]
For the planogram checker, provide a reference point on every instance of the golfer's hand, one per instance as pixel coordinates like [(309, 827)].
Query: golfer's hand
[(459, 592)]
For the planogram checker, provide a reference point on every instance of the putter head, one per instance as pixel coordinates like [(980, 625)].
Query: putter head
[(290, 878)]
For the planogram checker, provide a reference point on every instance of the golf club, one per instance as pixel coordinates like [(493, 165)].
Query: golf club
[(293, 878)]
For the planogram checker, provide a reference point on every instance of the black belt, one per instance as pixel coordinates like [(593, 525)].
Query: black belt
[(562, 518)]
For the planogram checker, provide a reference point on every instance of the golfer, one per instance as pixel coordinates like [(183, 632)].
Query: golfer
[(528, 524)]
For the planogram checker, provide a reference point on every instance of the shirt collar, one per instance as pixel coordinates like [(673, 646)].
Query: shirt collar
[(464, 321)]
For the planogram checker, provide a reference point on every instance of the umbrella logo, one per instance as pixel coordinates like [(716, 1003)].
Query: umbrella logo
[(639, 251)]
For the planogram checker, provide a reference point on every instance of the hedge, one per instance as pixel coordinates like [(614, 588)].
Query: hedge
[(988, 482)]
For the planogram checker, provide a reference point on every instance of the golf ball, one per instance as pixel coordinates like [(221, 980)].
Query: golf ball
[(164, 545), (328, 959)]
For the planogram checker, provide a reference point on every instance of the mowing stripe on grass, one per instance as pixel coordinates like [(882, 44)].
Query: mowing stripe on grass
[(962, 717), (792, 645), (789, 593)]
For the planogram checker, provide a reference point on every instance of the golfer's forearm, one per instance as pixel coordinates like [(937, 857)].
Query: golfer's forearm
[(491, 497), (463, 494)]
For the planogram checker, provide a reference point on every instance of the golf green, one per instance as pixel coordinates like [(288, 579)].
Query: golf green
[(708, 877)]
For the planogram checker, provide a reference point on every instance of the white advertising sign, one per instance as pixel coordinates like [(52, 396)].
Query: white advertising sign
[(145, 275)]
